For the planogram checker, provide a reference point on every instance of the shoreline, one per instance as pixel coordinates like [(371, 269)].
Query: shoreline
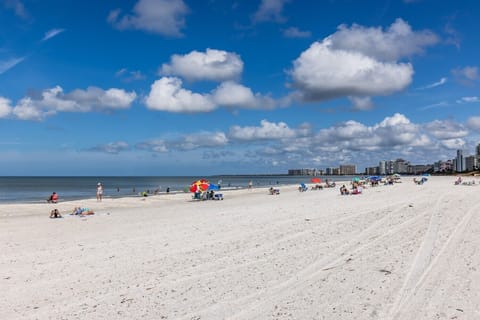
[(37, 189), (109, 203)]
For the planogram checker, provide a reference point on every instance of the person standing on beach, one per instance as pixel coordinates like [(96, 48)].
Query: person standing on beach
[(250, 184), (53, 198), (99, 191)]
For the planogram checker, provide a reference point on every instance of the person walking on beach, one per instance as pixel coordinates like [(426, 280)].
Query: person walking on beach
[(99, 191)]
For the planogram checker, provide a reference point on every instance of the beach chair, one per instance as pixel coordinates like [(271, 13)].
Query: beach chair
[(218, 196), (302, 187), (197, 196)]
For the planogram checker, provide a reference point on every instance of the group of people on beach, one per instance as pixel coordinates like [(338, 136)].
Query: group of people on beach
[(79, 211), (357, 189)]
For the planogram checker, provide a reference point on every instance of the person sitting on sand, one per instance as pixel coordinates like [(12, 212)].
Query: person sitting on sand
[(55, 214), (82, 211), (274, 191), (357, 190), (344, 190), (53, 198), (210, 195)]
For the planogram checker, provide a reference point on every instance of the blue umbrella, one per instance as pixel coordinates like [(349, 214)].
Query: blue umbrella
[(214, 187)]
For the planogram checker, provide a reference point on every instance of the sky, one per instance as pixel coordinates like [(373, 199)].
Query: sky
[(183, 87)]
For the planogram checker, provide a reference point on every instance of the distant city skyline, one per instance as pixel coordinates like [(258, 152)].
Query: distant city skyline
[(459, 163), (182, 87)]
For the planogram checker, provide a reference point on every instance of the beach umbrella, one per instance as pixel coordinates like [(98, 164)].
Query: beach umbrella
[(214, 187), (199, 185), (375, 178), (356, 179), (316, 180)]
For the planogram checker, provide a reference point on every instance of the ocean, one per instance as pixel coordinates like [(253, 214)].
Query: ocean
[(38, 189)]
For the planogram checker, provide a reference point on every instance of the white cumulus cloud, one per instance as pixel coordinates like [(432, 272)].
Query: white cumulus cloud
[(361, 103), (453, 144), (157, 145), (270, 10), (474, 123), (468, 73), (294, 32), (321, 73), (5, 107), (266, 131), (216, 65), (468, 100), (54, 100), (446, 129), (166, 17), (234, 95), (396, 42), (392, 132), (112, 147), (358, 61), (167, 94), (188, 142), (200, 140)]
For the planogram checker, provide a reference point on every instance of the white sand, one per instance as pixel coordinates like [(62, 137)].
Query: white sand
[(396, 252)]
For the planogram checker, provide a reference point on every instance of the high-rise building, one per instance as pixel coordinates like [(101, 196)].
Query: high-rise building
[(303, 172), (400, 166), (477, 153), (330, 171), (348, 169), (382, 167), (443, 166), (386, 167), (459, 161), (471, 163), (371, 171)]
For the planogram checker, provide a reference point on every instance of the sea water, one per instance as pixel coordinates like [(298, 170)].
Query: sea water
[(38, 189)]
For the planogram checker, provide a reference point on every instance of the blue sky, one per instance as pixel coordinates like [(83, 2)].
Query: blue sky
[(179, 87)]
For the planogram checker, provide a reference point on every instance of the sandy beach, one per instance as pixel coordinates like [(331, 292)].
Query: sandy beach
[(403, 251)]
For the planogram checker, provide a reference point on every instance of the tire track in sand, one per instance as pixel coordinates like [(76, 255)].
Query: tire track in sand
[(254, 302), (424, 262), (197, 272)]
